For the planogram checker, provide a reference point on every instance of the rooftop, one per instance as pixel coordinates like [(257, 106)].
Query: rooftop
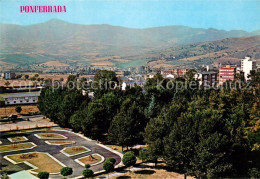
[(22, 174), (15, 95)]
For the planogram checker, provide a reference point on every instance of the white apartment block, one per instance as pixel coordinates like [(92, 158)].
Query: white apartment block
[(246, 66)]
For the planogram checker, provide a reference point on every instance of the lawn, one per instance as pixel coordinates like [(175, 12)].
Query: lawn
[(75, 150), (91, 159), (41, 160), (51, 136), (117, 148), (14, 147), (60, 142), (17, 139), (8, 110)]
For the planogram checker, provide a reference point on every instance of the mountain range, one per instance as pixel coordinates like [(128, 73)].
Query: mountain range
[(104, 45)]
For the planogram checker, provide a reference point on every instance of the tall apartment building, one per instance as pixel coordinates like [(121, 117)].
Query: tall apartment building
[(207, 78), (247, 65), (226, 73)]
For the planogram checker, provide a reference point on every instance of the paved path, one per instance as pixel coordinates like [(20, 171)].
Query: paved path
[(34, 122), (55, 150)]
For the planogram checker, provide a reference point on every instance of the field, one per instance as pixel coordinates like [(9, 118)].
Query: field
[(50, 136), (14, 147), (7, 111), (17, 83), (54, 63), (41, 160), (18, 139), (91, 159), (75, 150), (60, 142)]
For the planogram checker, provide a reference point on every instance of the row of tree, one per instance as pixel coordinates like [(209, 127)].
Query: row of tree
[(203, 133)]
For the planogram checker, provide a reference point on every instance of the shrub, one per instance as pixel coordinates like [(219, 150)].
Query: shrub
[(87, 173), (254, 173), (112, 160), (43, 175), (18, 109), (4, 176), (108, 166), (129, 159), (87, 165), (65, 171)]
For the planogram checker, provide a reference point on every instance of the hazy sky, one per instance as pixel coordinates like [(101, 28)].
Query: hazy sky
[(219, 14)]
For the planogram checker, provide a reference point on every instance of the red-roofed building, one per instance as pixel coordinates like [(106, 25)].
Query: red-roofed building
[(180, 72), (226, 73)]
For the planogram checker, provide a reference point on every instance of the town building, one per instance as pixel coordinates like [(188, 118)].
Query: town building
[(247, 65), (207, 78), (9, 75), (179, 72), (20, 98), (22, 174), (170, 76), (166, 72), (226, 73)]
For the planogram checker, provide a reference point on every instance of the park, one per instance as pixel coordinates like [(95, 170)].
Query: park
[(50, 150)]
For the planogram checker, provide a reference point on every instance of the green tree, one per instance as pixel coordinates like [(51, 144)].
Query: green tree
[(190, 75), (199, 144), (43, 175), (105, 80), (155, 131), (71, 102), (143, 155), (95, 121), (127, 126)]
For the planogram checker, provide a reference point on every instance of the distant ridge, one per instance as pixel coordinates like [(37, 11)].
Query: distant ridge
[(67, 41)]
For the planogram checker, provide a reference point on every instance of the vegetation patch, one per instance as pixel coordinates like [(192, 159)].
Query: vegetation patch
[(60, 142), (16, 147), (93, 159), (151, 173), (75, 150), (117, 148), (50, 136), (17, 139), (40, 161)]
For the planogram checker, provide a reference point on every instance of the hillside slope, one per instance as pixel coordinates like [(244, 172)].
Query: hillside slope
[(226, 51), (96, 44)]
